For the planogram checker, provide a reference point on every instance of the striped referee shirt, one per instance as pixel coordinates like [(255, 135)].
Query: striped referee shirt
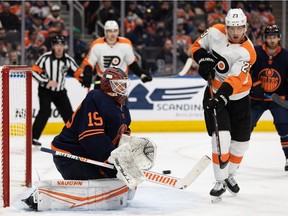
[(48, 68)]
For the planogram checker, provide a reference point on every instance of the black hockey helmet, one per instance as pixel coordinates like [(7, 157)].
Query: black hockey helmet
[(58, 40), (114, 82), (272, 30)]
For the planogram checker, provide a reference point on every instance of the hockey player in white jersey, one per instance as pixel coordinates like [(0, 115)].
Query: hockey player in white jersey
[(225, 55), (111, 51)]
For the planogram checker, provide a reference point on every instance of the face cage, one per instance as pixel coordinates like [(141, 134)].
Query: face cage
[(120, 87)]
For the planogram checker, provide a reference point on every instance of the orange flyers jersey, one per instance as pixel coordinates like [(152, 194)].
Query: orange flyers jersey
[(101, 55), (234, 60)]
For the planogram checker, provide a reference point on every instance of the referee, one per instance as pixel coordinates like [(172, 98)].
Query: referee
[(50, 72)]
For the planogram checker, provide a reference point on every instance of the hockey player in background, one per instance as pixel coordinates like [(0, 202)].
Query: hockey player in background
[(270, 75), (99, 130), (111, 51), (225, 55)]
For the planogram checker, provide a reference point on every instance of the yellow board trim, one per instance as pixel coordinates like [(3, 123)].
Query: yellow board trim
[(164, 126)]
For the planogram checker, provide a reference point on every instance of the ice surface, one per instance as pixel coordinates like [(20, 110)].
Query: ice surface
[(261, 177)]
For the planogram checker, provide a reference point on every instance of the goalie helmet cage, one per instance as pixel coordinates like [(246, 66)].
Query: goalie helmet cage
[(16, 129)]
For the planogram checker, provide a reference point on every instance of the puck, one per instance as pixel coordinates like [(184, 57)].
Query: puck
[(166, 171)]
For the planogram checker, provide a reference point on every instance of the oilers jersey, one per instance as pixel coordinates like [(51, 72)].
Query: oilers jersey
[(95, 127), (272, 71)]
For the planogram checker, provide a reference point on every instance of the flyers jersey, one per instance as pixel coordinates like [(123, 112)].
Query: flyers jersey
[(234, 60), (95, 127), (102, 56), (272, 71)]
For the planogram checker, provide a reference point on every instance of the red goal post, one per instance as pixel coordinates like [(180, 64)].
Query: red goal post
[(15, 129)]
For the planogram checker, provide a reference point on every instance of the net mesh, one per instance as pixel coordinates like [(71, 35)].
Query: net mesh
[(17, 130)]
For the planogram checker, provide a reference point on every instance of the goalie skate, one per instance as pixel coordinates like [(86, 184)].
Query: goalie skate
[(217, 191), (286, 165), (30, 202)]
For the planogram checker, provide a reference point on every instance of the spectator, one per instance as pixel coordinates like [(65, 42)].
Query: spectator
[(139, 37), (5, 48), (201, 26), (210, 5), (158, 38), (80, 47), (9, 21), (54, 17), (217, 13), (266, 16), (13, 57), (165, 14), (32, 47), (183, 40), (108, 12), (129, 21), (37, 25), (40, 7), (133, 7), (164, 61)]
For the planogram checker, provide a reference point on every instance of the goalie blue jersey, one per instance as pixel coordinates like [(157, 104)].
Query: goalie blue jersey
[(95, 127)]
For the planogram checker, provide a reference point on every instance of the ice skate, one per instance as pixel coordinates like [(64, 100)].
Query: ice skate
[(286, 165), (217, 191), (30, 202), (232, 185), (35, 142)]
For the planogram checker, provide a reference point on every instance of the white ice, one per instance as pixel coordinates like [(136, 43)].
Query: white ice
[(261, 177)]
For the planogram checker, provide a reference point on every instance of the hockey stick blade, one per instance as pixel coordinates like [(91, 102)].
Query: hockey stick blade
[(195, 172), (277, 99), (153, 177), (186, 67)]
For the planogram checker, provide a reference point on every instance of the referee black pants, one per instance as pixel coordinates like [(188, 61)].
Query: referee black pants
[(46, 97)]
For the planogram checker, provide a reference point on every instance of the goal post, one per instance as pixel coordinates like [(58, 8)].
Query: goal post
[(15, 129)]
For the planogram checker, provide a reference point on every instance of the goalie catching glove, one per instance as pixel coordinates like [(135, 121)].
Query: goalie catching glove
[(133, 155)]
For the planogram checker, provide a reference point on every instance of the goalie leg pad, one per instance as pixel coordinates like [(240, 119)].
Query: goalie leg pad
[(100, 194)]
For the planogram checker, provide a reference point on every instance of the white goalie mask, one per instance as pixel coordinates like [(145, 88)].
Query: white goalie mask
[(235, 17)]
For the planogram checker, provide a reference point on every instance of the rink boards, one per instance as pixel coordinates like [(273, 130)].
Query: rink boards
[(164, 105)]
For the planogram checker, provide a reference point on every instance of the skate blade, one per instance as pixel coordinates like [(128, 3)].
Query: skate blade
[(233, 193), (215, 199)]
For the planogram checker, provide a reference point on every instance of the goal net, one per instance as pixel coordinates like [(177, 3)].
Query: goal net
[(15, 129)]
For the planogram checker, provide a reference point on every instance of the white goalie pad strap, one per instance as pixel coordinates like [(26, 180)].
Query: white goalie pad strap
[(100, 194), (143, 150)]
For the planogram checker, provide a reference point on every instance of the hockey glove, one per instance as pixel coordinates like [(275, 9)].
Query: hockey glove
[(206, 63), (145, 76), (87, 77), (257, 91), (206, 67), (127, 170), (217, 102)]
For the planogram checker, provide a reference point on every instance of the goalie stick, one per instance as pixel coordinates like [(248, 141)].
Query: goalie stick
[(277, 99), (154, 177)]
